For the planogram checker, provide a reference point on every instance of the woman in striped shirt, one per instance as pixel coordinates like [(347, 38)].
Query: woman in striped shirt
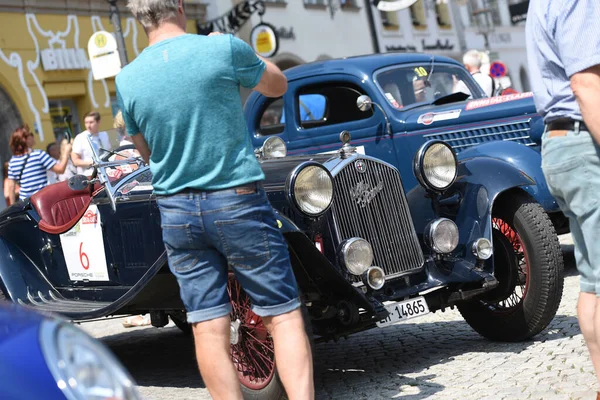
[(28, 166)]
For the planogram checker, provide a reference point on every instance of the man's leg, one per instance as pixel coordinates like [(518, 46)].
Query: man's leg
[(292, 354), (214, 360)]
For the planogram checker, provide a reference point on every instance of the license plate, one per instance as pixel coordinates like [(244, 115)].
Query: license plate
[(404, 310)]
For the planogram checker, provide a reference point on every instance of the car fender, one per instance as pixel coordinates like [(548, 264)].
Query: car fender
[(469, 202), (19, 276), (523, 158)]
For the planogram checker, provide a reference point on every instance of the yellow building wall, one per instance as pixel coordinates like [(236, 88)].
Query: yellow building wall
[(24, 36)]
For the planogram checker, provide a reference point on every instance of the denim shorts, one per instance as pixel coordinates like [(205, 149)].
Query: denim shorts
[(571, 165), (208, 234)]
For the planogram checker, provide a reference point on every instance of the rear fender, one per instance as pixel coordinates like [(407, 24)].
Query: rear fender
[(19, 276), (523, 158)]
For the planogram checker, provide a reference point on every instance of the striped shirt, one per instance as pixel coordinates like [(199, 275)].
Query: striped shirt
[(563, 38), (34, 175)]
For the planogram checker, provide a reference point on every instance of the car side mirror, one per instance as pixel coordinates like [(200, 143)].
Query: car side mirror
[(364, 103), (78, 182)]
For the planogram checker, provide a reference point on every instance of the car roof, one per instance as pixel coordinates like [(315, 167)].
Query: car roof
[(358, 65)]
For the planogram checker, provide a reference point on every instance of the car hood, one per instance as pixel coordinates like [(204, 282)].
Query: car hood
[(470, 111)]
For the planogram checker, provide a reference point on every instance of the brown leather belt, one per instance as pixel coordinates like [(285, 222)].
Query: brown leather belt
[(561, 127)]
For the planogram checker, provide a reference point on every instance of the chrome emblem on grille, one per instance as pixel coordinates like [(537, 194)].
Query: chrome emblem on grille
[(360, 166), (363, 193)]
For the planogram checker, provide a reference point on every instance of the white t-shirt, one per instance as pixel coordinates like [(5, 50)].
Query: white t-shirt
[(83, 149), (485, 81)]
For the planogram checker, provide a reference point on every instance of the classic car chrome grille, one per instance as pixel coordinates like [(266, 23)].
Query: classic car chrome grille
[(371, 205), (463, 139)]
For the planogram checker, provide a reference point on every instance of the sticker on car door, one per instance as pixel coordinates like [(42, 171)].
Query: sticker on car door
[(83, 248)]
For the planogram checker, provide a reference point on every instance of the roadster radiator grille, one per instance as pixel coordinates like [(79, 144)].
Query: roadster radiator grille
[(371, 205), (463, 139)]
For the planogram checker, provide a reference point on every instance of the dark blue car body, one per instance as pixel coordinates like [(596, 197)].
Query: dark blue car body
[(505, 129)]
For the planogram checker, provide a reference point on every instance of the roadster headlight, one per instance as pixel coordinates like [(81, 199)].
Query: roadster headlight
[(435, 166), (83, 367), (273, 147), (443, 235), (356, 255), (310, 188)]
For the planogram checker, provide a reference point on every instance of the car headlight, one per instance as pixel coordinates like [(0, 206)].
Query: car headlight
[(435, 166), (357, 255), (83, 367), (443, 235), (273, 147), (310, 188)]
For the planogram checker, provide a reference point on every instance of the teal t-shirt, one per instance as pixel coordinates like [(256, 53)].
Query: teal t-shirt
[(183, 95)]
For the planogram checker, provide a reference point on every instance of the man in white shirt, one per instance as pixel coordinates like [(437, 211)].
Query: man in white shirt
[(472, 62), (82, 154)]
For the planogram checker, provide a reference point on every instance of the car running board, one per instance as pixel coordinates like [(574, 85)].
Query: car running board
[(53, 302)]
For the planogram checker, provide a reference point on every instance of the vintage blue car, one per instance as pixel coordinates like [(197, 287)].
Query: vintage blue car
[(44, 357), (368, 251), (416, 98)]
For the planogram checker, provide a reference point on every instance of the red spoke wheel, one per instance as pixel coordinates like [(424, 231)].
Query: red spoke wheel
[(528, 265), (252, 349)]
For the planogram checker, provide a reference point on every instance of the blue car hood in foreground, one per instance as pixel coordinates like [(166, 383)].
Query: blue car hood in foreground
[(24, 374)]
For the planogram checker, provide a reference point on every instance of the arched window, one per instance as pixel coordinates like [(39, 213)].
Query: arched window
[(10, 119)]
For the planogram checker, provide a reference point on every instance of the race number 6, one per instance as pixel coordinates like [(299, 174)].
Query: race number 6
[(82, 255)]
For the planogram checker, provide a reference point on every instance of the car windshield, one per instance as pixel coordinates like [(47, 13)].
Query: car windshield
[(411, 85), (110, 158)]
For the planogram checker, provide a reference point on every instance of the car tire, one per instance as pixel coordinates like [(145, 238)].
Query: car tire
[(521, 225), (265, 388)]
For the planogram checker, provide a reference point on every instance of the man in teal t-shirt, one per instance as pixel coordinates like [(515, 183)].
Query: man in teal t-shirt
[(180, 99)]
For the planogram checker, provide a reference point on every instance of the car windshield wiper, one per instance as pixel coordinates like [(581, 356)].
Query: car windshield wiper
[(427, 84)]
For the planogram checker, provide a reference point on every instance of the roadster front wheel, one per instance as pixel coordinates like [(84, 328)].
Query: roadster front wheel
[(528, 264)]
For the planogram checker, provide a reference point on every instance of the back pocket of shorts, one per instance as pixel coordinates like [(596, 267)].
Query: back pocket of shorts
[(245, 241)]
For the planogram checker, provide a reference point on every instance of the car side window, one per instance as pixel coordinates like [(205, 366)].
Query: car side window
[(328, 105), (272, 120)]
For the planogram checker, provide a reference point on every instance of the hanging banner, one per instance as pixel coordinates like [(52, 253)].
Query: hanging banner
[(518, 12), (264, 40), (233, 20), (104, 57)]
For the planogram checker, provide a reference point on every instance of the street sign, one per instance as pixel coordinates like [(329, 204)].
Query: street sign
[(264, 40), (104, 56), (498, 69)]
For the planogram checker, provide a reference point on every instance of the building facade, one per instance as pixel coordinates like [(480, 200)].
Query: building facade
[(308, 30), (451, 27), (44, 66)]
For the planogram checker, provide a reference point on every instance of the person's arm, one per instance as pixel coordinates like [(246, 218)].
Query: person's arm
[(142, 146), (578, 43), (586, 88), (61, 165), (273, 83), (10, 188), (255, 72), (78, 162)]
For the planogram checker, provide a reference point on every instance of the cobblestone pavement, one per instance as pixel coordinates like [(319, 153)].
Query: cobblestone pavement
[(434, 357)]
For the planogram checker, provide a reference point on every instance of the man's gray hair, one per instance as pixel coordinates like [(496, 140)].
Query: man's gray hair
[(150, 13), (472, 58)]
